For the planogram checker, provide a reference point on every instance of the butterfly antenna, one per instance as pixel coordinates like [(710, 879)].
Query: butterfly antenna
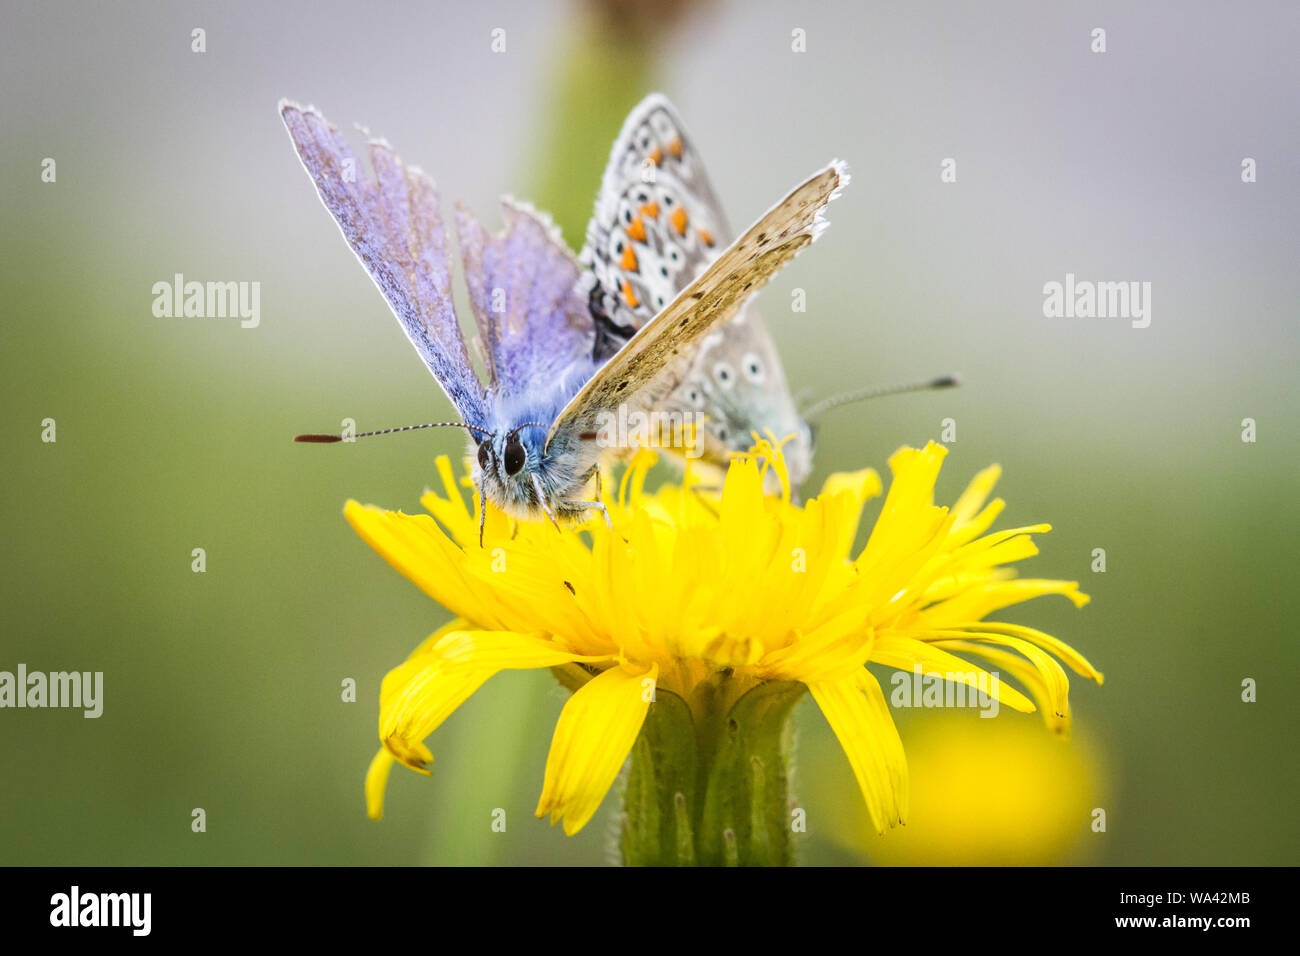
[(525, 425), (328, 439), (826, 404)]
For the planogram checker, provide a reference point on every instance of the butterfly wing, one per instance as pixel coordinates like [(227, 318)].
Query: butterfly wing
[(654, 361), (394, 224), (656, 225), (736, 380), (533, 323)]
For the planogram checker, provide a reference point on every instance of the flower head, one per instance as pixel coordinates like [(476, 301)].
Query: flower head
[(712, 595)]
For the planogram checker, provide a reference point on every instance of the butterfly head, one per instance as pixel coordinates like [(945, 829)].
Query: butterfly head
[(510, 469)]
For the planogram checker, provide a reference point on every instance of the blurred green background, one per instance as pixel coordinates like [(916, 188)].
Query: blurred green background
[(222, 689)]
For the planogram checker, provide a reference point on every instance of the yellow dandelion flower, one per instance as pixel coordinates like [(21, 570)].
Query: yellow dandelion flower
[(711, 614)]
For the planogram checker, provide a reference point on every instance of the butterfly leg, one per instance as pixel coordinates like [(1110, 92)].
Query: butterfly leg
[(599, 506), (482, 514), (541, 499)]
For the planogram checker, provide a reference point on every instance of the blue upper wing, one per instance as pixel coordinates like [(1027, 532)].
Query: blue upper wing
[(532, 321), (394, 225)]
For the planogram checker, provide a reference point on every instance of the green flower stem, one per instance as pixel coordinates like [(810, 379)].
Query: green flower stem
[(708, 785)]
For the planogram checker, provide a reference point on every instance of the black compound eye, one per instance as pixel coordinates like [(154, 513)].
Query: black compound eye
[(515, 455), (483, 455)]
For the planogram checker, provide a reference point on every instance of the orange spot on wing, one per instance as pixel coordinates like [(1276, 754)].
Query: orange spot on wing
[(636, 230), (629, 296), (679, 220), (675, 147), (656, 155), (650, 209), (707, 237), (628, 262)]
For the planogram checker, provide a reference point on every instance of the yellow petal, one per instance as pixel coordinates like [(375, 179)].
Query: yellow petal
[(856, 487), (968, 528), (595, 732), (908, 653), (449, 508), (1023, 671), (972, 499), (855, 708), (1076, 661), (430, 642), (835, 649), (505, 650), (862, 484), (416, 697), (1055, 682), (419, 694), (418, 548), (973, 603), (377, 782)]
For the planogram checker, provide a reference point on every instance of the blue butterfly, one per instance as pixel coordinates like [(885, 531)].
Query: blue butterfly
[(552, 382)]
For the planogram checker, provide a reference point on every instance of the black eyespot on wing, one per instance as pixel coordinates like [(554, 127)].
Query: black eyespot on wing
[(515, 455)]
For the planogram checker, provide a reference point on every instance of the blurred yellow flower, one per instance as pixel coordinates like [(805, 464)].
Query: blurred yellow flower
[(985, 793), (707, 597)]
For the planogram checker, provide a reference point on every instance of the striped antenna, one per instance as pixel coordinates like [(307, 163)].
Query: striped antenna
[(525, 425), (826, 404), (330, 439)]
